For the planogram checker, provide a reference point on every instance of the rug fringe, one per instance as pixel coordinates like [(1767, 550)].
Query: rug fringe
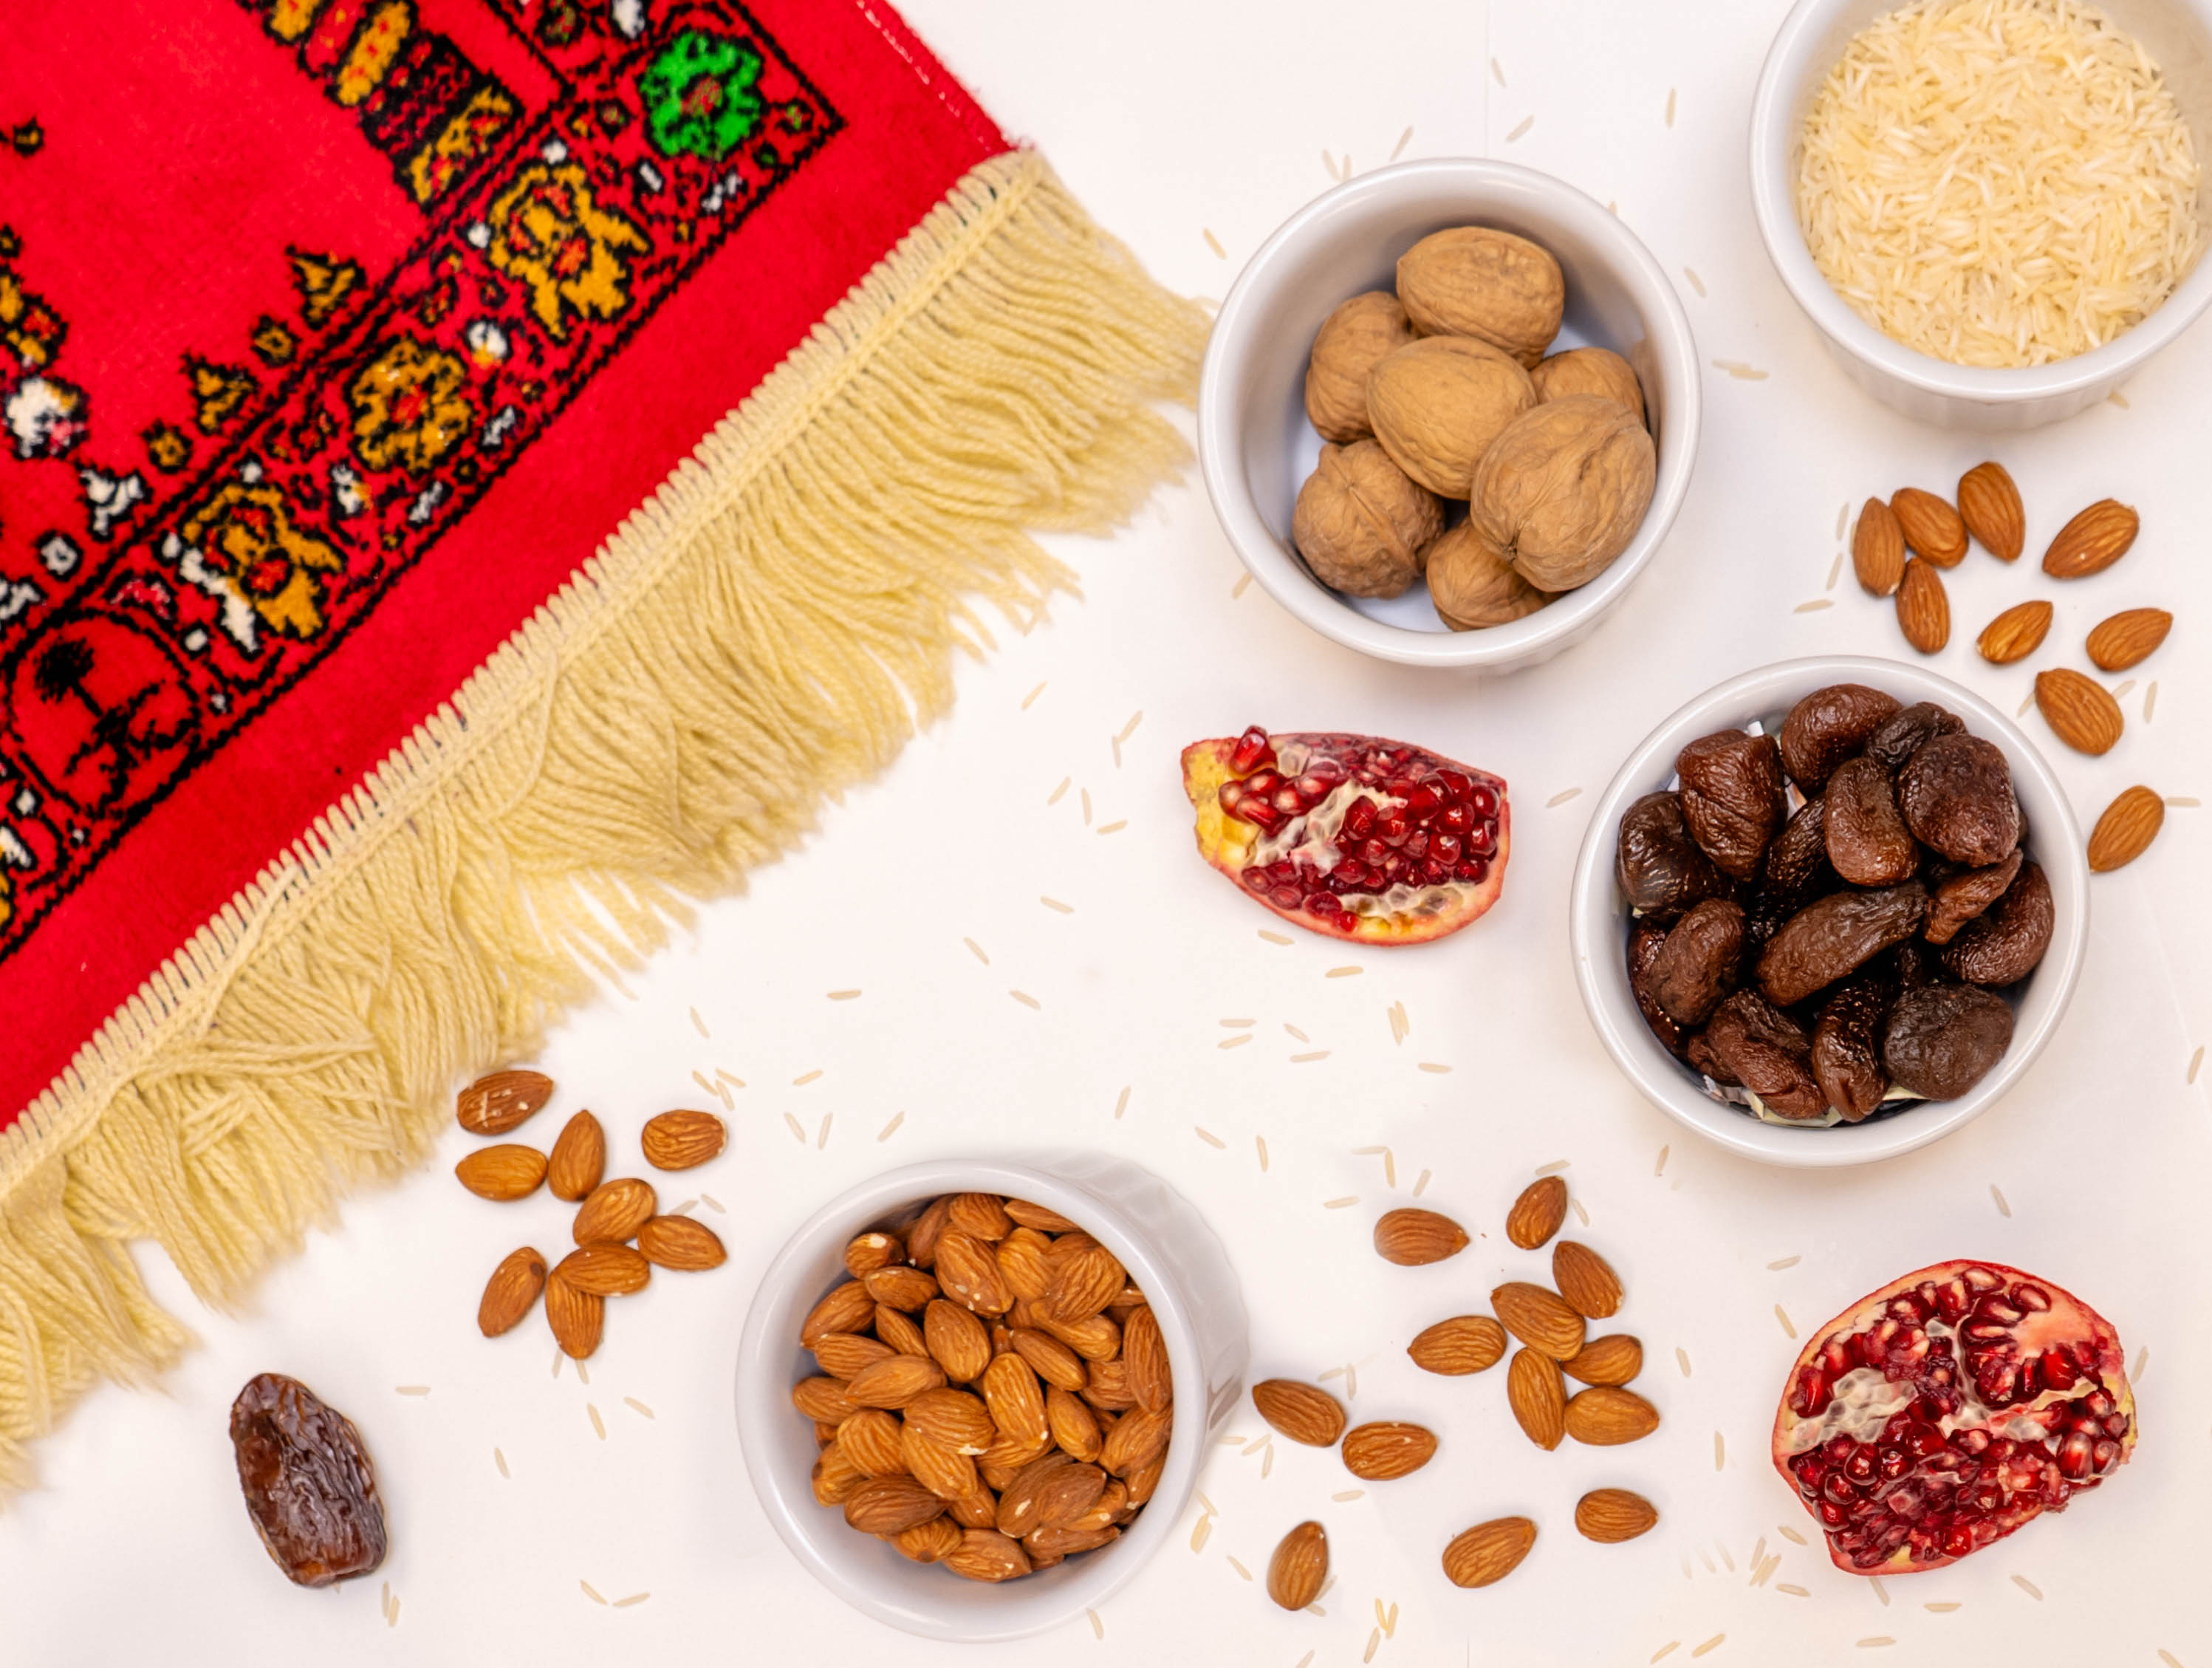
[(764, 632)]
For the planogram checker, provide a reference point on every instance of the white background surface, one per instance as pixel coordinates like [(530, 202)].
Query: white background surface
[(1170, 119)]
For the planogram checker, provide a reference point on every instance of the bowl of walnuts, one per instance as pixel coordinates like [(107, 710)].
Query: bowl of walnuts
[(1448, 413), (974, 1396)]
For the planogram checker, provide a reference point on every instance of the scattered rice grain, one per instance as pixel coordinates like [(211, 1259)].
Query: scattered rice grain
[(1671, 107), (1997, 1193), (798, 1130), (1121, 1103), (704, 1082), (1498, 70), (1053, 798), (1114, 827), (891, 1128), (1084, 794), (1742, 372), (1782, 1263), (500, 1460), (1130, 728), (2115, 396), (1025, 999), (1054, 904), (1876, 1642), (1581, 1215), (1880, 1591), (412, 1389), (1260, 1143), (2142, 1360), (558, 1357), (1202, 1532), (1334, 1373), (1792, 1589), (1344, 972), (1097, 1627), (1667, 1649), (1814, 607), (1720, 1452), (1696, 282), (591, 1593), (1790, 1535), (1339, 1204), (2021, 710), (1238, 1024), (977, 950), (1239, 1568), (2150, 700), (1236, 1041), (713, 1205), (1434, 1066), (1944, 1609), (1348, 1493), (1422, 1185), (1117, 751), (1526, 122), (1292, 1030), (1843, 517), (2195, 1061), (1835, 572), (1782, 1315), (1274, 937), (1301, 1059), (1712, 1644), (1266, 1462), (821, 1140), (1399, 150), (1660, 1168), (1238, 588), (2169, 1659), (2182, 802), (1374, 1644), (684, 1209), (1682, 1359), (597, 1423), (1722, 1550), (635, 1598), (698, 1024), (1210, 1138), (733, 1081), (1561, 797), (1554, 1166), (1039, 689), (2126, 688), (1706, 1559), (1213, 242), (806, 1077)]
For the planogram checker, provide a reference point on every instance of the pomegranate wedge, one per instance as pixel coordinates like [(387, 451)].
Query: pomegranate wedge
[(1350, 834), (1938, 1414)]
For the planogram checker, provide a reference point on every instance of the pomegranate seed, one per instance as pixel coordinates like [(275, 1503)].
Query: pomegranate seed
[(1257, 810), (1958, 1541), (1951, 1300), (2097, 1404), (1262, 781), (1230, 793), (1472, 869), (1392, 829), (1251, 747), (1327, 769), (1255, 879), (1481, 840), (1482, 802), (1312, 789), (1994, 1307), (1289, 897), (2107, 1455), (1434, 872), (1860, 1467), (1980, 1279), (1444, 848), (1400, 789), (1323, 902), (1375, 880), (1417, 843), (1832, 1514), (1372, 852), (1456, 820), (1421, 802), (1289, 801), (1350, 872), (1454, 785), (2034, 1299), (1359, 818)]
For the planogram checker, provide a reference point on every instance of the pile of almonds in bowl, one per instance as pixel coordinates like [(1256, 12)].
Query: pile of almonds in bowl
[(1897, 548), (1441, 394), (620, 1233), (994, 1395)]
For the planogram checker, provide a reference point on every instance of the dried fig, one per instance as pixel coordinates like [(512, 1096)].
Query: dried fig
[(1473, 586), (1493, 286), (1901, 735), (1797, 869), (1943, 1039), (1589, 371), (1956, 794), (1753, 1043), (1361, 524), (1564, 488), (1661, 870), (2003, 946), (1826, 727), (1437, 404), (1351, 340), (1644, 940), (1959, 897), (1834, 935), (1732, 797), (1701, 961), (1868, 841), (1847, 1048)]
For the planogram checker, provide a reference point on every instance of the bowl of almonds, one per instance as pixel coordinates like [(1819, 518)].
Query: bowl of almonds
[(974, 1397)]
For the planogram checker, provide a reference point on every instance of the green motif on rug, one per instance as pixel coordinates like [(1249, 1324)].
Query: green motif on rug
[(699, 96)]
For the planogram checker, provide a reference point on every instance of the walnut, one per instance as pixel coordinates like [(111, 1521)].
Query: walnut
[(1563, 490), (1493, 286), (1589, 371), (1472, 585), (1361, 524), (1349, 341), (1437, 404)]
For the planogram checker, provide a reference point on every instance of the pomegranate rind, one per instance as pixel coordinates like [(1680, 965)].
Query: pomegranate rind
[(1229, 843), (2068, 1320)]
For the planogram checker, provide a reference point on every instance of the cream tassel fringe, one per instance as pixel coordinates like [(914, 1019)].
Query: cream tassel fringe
[(764, 632)]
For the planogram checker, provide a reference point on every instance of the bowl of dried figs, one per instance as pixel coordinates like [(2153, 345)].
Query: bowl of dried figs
[(1830, 911), (974, 1396), (1448, 413)]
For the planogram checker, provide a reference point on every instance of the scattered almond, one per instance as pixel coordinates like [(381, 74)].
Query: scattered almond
[(576, 1317), (1923, 612), (2124, 832), (578, 1161), (2015, 634), (1411, 1237), (1540, 1318), (1878, 549), (1613, 1358), (1463, 1344), (1604, 1417), (2119, 643), (511, 1293), (1612, 1515), (679, 1244), (1385, 1451), (1537, 1214), (1988, 503), (605, 1270), (2081, 711), (1932, 529), (1300, 1411), (1488, 1552), (680, 1139), (614, 1212), (502, 1173), (2092, 541), (1585, 1280), (1299, 1567), (492, 1105), (1537, 1397)]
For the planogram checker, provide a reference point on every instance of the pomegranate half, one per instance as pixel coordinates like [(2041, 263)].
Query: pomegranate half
[(1938, 1414), (1350, 834)]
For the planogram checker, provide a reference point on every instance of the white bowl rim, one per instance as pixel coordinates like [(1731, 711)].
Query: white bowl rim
[(763, 1358), (1774, 206), (1317, 607), (1594, 915)]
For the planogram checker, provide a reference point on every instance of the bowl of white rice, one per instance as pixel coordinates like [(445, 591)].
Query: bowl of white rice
[(1994, 210)]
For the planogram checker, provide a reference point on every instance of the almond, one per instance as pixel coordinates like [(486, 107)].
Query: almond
[(1465, 1344), (1097, 1339), (979, 1216), (578, 1158), (955, 1417), (605, 1270), (511, 1293), (2092, 541), (836, 1477), (842, 1354), (1923, 612), (1539, 1318), (894, 1381), (1057, 1543), (1613, 1358), (2117, 643), (502, 1173), (2080, 710), (1145, 1478), (1878, 549), (1299, 1567), (1611, 1515), (1022, 1265), (1004, 1459), (887, 1505), (1585, 1280), (1932, 529), (1113, 1507), (1084, 1284), (927, 1543), (900, 1287), (614, 1212), (945, 1471), (492, 1105), (2123, 834), (869, 1438), (1411, 1237), (1038, 1216), (922, 1233), (1383, 1450), (1072, 1425), (2015, 634), (680, 1139), (1537, 1214), (1537, 1397), (977, 1511), (847, 1308), (985, 1555), (1137, 1438), (1068, 1494), (1604, 1417), (1020, 1506), (577, 1319), (874, 1250), (899, 1331), (956, 1340), (1108, 1387), (1300, 1411), (1015, 1399), (1488, 1552), (1988, 503), (678, 1242), (1145, 1353), (968, 1273), (822, 1399)]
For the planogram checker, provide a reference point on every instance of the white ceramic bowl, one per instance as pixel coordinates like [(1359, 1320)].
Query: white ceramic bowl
[(1167, 1249), (1256, 447), (1597, 920), (2177, 33)]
